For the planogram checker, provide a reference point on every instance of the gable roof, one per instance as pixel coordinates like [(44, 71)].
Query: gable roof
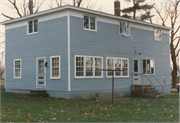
[(69, 7)]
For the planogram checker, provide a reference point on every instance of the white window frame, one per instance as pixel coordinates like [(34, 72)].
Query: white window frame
[(51, 77), (126, 28), (84, 70), (157, 39), (15, 68), (33, 27), (150, 66), (95, 30), (114, 67)]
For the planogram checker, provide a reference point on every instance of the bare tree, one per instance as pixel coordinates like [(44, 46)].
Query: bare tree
[(78, 3), (22, 7), (172, 13)]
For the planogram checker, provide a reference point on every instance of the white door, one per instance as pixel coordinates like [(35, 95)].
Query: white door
[(136, 71), (40, 72)]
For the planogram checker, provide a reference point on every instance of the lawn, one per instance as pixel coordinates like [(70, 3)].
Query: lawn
[(21, 108)]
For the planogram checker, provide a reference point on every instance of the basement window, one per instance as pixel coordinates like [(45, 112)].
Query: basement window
[(124, 29), (157, 35), (32, 26), (148, 66), (89, 23)]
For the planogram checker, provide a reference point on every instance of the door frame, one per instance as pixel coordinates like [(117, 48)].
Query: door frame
[(138, 69), (37, 71)]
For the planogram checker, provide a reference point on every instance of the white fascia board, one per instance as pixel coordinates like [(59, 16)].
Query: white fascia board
[(87, 11)]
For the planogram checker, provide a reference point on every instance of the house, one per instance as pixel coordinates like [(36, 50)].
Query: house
[(63, 50)]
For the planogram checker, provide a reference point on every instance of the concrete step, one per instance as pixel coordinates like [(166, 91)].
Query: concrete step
[(158, 96)]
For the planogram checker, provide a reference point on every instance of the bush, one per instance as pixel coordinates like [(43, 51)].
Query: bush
[(94, 97)]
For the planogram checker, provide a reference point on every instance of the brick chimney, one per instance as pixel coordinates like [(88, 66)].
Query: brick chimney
[(117, 10), (31, 6)]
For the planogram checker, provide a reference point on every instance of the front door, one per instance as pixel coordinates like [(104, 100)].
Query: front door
[(136, 78), (40, 72)]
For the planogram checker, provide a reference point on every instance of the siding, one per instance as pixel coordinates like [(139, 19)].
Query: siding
[(51, 40), (107, 42)]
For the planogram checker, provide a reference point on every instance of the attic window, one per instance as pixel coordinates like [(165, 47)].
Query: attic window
[(89, 23), (124, 29), (32, 26), (157, 35)]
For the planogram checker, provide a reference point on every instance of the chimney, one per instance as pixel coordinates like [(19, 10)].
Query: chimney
[(31, 6), (117, 8)]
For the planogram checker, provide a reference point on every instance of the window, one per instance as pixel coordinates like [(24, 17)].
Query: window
[(89, 23), (124, 29), (32, 26), (17, 68), (55, 67), (148, 66), (118, 64), (157, 34), (88, 66)]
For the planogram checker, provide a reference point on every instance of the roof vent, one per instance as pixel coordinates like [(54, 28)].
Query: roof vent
[(117, 8)]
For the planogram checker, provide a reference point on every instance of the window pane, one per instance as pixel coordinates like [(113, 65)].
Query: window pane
[(86, 22), (89, 66), (152, 66), (98, 64), (135, 65), (35, 25), (125, 67), (117, 67), (144, 66), (92, 22), (125, 71), (109, 66), (41, 66), (79, 66), (128, 29), (30, 26), (148, 66)]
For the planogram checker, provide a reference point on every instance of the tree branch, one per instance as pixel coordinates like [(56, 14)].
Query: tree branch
[(39, 7), (14, 4), (177, 44), (177, 53), (7, 16)]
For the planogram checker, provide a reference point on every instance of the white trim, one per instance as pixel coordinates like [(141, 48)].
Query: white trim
[(37, 71), (146, 66), (84, 10), (94, 30), (69, 54), (114, 67), (84, 75), (32, 27), (14, 68), (58, 56)]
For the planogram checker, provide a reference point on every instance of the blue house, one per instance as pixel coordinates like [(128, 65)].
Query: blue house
[(64, 50)]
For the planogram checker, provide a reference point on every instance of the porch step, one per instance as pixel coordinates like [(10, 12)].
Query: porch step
[(38, 93), (146, 91)]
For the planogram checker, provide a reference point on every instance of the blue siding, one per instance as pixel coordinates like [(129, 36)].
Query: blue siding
[(107, 42), (51, 40)]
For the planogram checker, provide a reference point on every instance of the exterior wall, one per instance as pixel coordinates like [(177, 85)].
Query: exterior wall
[(50, 40), (107, 42)]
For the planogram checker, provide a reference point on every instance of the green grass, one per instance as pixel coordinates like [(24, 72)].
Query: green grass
[(21, 108)]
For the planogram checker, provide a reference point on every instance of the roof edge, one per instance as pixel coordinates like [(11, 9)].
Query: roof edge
[(85, 10)]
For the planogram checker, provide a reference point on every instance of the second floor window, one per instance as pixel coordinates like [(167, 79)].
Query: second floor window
[(89, 22), (124, 29), (33, 26), (157, 34)]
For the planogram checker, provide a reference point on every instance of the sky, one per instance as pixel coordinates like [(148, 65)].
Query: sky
[(107, 6)]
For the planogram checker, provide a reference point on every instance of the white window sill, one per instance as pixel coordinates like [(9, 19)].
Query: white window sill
[(55, 78), (17, 77), (98, 77), (124, 35), (32, 33), (90, 30), (120, 77), (148, 74), (157, 39)]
